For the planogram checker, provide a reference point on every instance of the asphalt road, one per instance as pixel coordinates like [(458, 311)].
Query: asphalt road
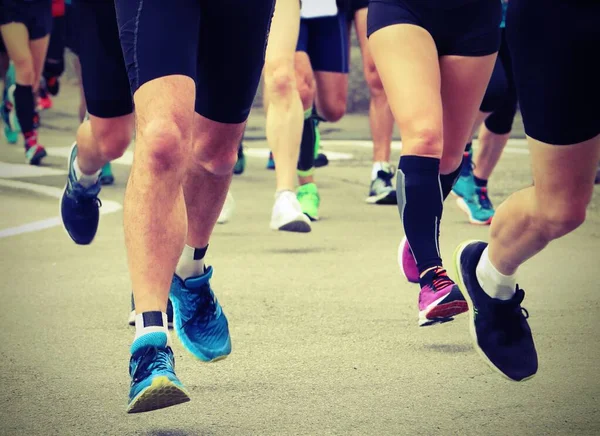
[(324, 328)]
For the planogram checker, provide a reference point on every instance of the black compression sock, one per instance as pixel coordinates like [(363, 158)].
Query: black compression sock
[(420, 203), (481, 183)]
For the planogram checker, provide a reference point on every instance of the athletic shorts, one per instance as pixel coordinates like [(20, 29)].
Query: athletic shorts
[(219, 44), (325, 41), (36, 15), (105, 81), (458, 27), (353, 7), (71, 34), (554, 46), (502, 92)]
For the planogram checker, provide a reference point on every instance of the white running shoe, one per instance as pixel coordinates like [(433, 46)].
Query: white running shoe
[(287, 214), (227, 210)]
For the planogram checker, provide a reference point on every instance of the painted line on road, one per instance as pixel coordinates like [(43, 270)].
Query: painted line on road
[(514, 146), (13, 171), (107, 207)]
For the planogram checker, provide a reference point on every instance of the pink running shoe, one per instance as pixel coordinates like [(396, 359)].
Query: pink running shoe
[(407, 262), (440, 299)]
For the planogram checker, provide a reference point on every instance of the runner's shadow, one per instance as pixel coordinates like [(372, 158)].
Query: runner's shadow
[(168, 432), (449, 348)]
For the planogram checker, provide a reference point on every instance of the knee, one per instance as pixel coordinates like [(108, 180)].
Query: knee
[(215, 158), (164, 145), (423, 140), (24, 69), (335, 111), (280, 80), (306, 89), (374, 81), (557, 222), (113, 143)]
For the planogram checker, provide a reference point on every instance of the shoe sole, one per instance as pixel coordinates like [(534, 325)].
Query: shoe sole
[(461, 286), (462, 205), (437, 313), (201, 357), (160, 394), (403, 242), (296, 226), (388, 198)]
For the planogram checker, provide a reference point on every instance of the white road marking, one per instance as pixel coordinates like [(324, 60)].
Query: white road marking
[(107, 207), (515, 146), (12, 171)]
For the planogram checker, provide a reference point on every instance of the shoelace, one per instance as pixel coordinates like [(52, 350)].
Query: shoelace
[(153, 359), (86, 197), (508, 316), (205, 305), (484, 199), (440, 280)]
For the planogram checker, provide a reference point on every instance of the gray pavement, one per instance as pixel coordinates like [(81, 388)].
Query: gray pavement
[(324, 329)]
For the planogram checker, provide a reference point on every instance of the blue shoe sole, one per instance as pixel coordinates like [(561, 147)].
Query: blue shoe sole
[(162, 393)]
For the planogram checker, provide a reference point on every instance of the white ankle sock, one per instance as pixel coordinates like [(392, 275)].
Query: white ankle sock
[(85, 180), (493, 282), (191, 262), (146, 323), (379, 166)]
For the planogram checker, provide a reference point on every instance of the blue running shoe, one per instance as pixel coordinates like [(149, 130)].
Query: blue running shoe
[(154, 384), (271, 162), (200, 323), (499, 327), (478, 207), (79, 206), (106, 175), (465, 185)]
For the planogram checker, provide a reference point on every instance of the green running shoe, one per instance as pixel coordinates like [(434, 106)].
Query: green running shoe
[(309, 199)]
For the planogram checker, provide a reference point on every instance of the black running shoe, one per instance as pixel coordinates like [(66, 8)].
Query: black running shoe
[(500, 329)]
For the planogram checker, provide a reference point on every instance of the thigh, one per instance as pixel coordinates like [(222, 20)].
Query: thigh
[(553, 46), (233, 40), (328, 46), (496, 89), (16, 41), (101, 57), (332, 93), (285, 28), (464, 80), (159, 39), (39, 49), (407, 61), (564, 176)]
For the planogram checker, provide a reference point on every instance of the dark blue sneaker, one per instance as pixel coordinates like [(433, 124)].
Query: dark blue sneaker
[(154, 384), (200, 323), (500, 329), (80, 207)]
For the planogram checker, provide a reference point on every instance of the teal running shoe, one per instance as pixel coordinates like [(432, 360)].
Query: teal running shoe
[(271, 162), (200, 323), (478, 207), (465, 185), (106, 175), (154, 384), (240, 165)]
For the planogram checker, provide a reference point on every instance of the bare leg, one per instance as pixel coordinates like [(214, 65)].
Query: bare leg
[(489, 152), (208, 175), (154, 210), (529, 219), (283, 104), (101, 140), (381, 118)]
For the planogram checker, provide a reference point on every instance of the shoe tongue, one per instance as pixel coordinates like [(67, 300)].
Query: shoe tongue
[(156, 339), (198, 281)]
